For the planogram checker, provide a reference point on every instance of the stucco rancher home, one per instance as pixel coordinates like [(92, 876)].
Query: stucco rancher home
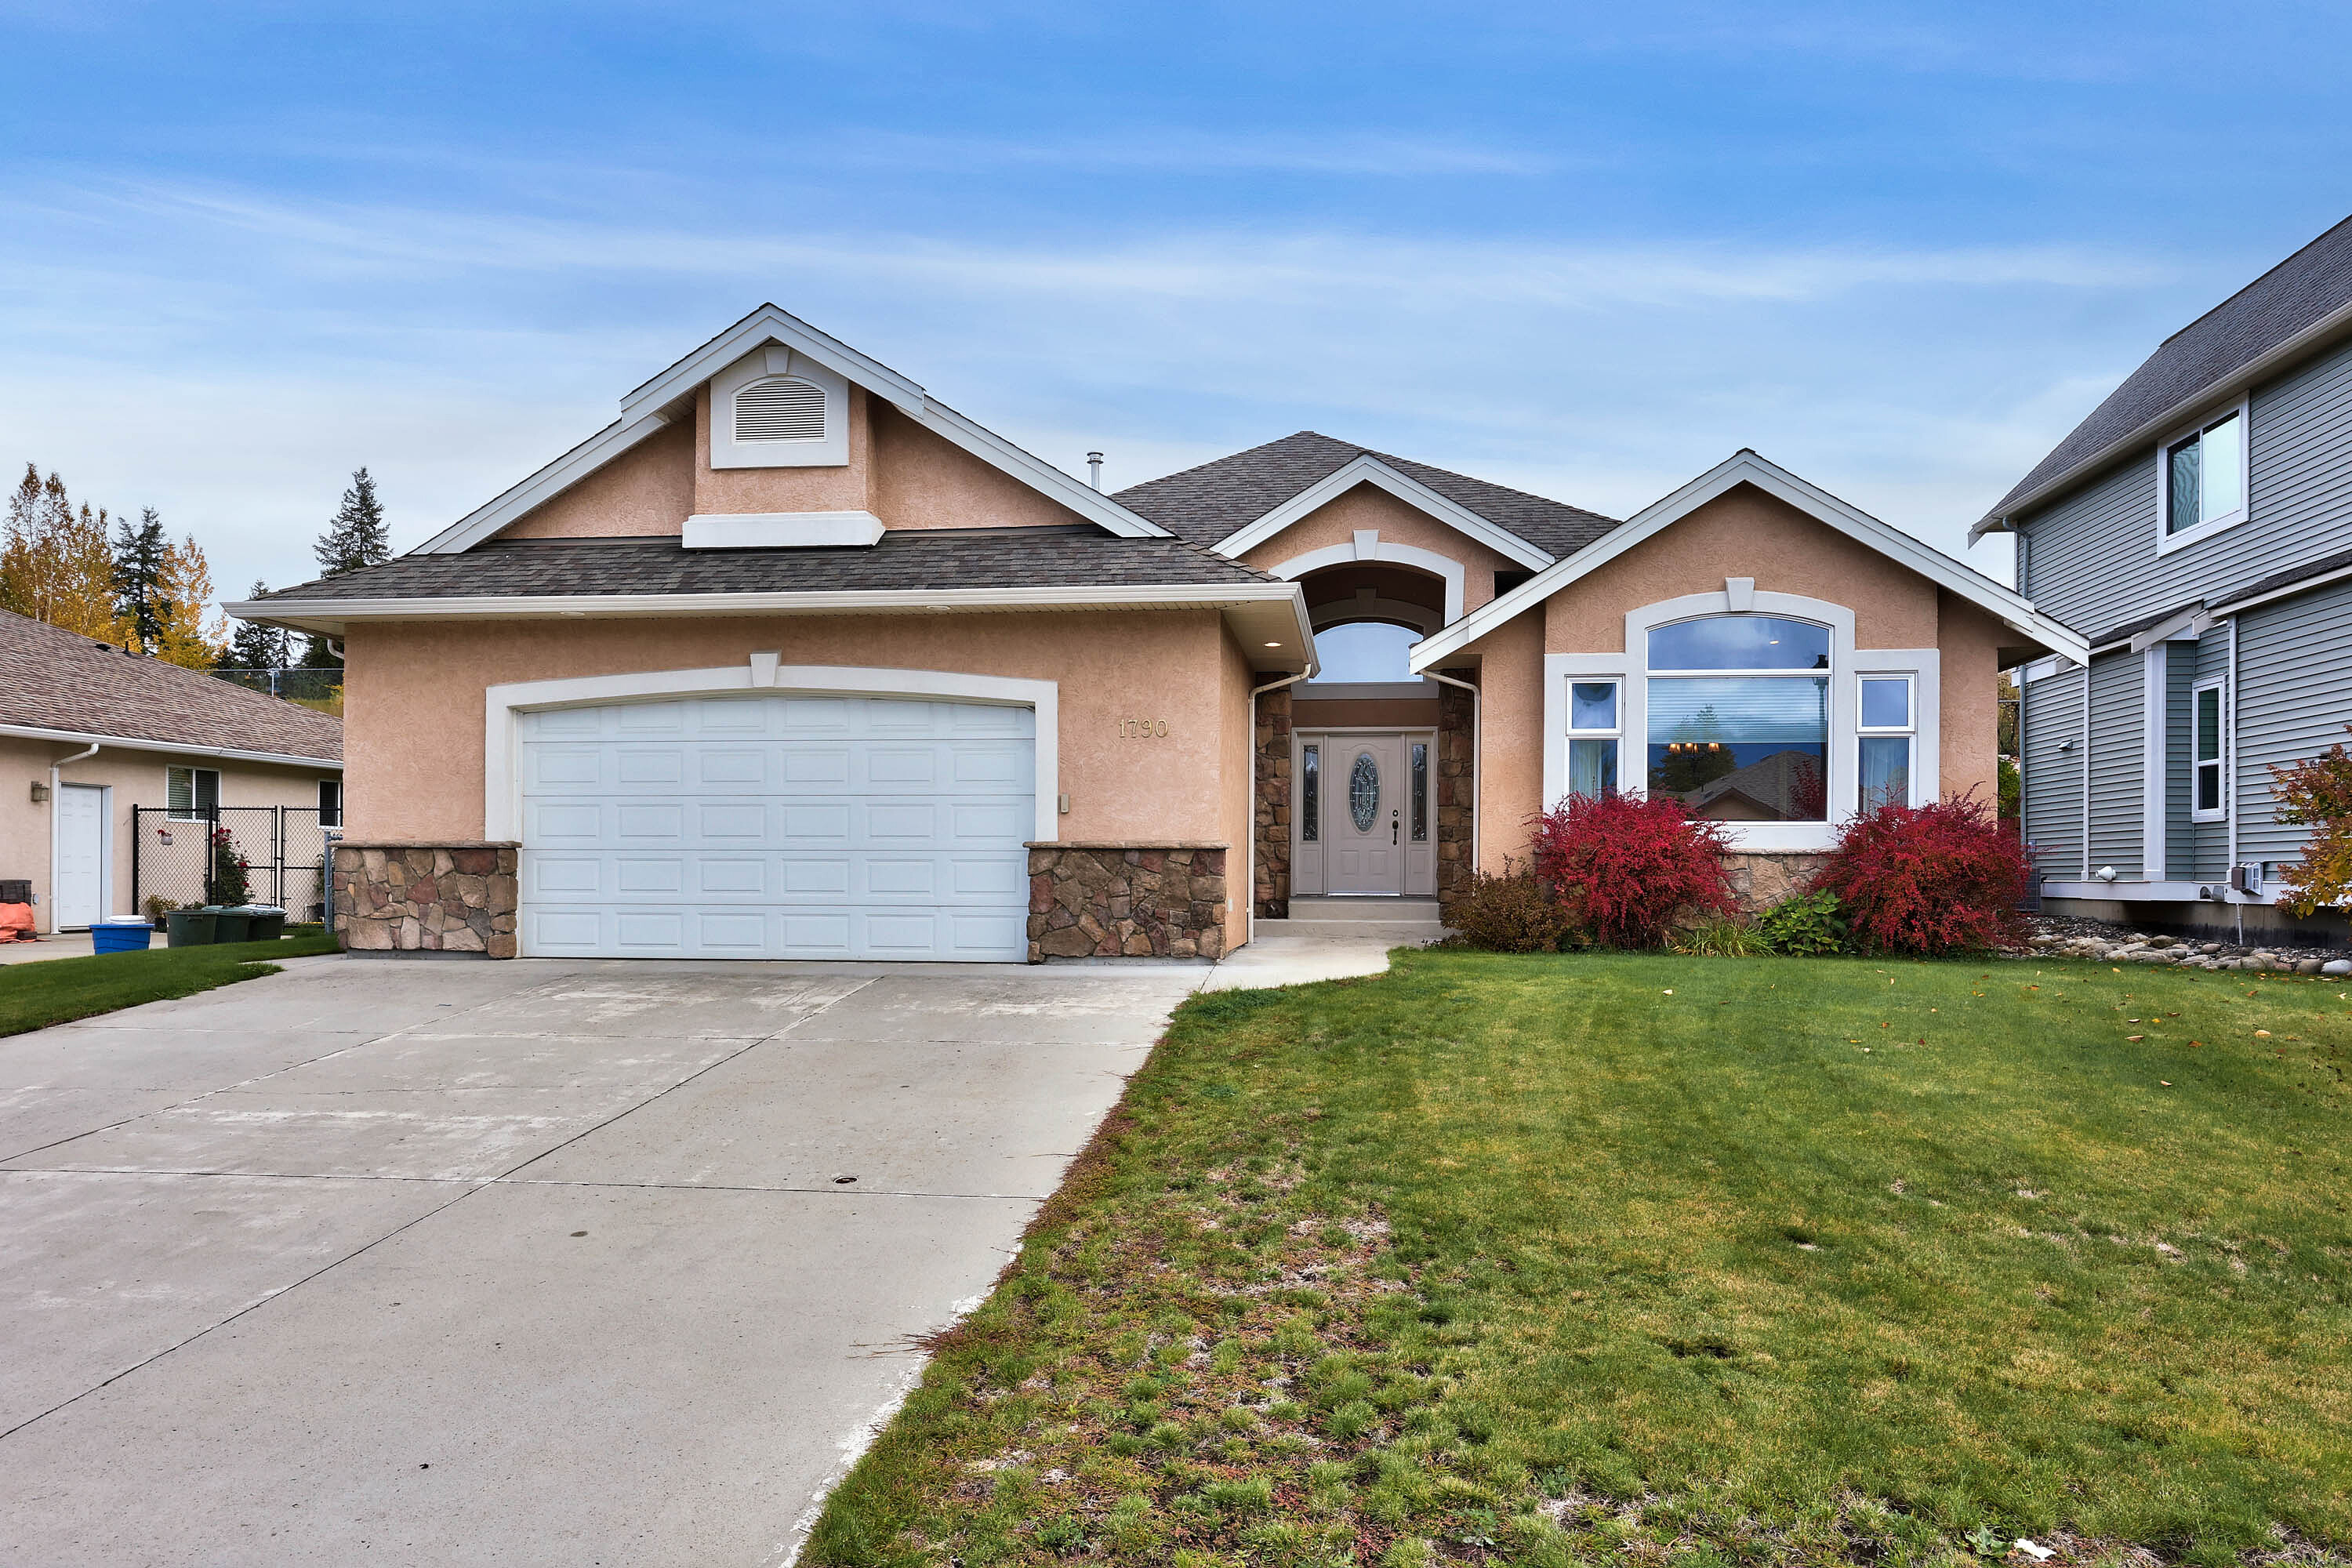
[(92, 732), (793, 661)]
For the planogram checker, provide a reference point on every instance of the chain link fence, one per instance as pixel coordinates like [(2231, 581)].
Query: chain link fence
[(295, 685), (283, 847)]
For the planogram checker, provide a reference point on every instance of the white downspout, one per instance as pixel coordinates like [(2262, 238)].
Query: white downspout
[(1249, 926), (109, 873), (1478, 756)]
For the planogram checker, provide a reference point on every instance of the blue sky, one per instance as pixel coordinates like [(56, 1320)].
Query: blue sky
[(1588, 251)]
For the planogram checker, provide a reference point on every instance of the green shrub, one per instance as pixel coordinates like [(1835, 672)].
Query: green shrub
[(1807, 924), (1511, 913)]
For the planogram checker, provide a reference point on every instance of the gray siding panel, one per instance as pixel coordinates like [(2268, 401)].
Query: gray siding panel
[(2179, 832), (2054, 779), (2091, 560), (2294, 698), (2212, 858), (2117, 745)]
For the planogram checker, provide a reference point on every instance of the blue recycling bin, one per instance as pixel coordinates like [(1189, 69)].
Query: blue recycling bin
[(120, 936)]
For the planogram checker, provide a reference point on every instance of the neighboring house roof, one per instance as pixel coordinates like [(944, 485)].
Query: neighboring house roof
[(1746, 467), (1215, 500), (2283, 313), (668, 398), (58, 684)]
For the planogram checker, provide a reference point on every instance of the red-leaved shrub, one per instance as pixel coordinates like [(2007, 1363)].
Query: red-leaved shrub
[(1630, 869), (1935, 879)]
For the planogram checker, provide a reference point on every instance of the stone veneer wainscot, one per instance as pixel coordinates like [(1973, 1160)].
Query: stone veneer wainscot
[(1127, 900), (426, 898)]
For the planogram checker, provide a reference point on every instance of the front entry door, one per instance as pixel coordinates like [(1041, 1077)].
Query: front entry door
[(1365, 824)]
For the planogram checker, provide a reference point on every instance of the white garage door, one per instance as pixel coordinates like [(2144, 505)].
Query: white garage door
[(778, 827)]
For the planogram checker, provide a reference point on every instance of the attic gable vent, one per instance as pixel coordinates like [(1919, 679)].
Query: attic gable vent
[(779, 408)]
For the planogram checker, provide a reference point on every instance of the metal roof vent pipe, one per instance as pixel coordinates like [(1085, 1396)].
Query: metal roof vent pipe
[(1094, 469)]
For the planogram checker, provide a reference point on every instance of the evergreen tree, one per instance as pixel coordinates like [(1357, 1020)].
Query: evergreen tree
[(356, 535), (253, 646), (140, 552)]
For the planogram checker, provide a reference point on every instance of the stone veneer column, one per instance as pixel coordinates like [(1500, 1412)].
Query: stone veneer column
[(1273, 889), (1457, 785), (1127, 900), (426, 898)]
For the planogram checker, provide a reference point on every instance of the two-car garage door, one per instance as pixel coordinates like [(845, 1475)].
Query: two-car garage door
[(778, 827)]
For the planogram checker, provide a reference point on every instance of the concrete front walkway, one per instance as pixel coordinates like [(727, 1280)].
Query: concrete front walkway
[(532, 1262)]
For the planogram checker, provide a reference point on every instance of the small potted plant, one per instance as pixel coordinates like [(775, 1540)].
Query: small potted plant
[(157, 908)]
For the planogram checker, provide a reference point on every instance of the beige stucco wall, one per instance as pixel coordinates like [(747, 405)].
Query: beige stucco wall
[(1969, 666), (414, 696), (897, 470), (647, 489), (1236, 782), (137, 778), (1511, 737), (1369, 506), (1745, 533)]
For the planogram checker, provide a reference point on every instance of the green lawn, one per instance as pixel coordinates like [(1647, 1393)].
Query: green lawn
[(58, 991), (1554, 1260)]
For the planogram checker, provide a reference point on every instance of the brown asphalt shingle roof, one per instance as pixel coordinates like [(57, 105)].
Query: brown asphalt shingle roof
[(1072, 555), (53, 680), (1207, 503)]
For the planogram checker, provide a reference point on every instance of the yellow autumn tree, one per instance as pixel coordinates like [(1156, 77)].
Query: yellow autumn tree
[(57, 564), (184, 588)]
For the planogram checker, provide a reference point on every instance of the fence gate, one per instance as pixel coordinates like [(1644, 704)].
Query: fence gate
[(283, 847)]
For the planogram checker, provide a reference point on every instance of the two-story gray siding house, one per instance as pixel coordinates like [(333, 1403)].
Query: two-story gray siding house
[(2196, 528)]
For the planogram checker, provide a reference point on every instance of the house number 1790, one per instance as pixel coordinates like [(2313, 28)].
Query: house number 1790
[(1143, 729)]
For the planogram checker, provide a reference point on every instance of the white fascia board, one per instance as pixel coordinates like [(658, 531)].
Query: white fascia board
[(548, 482), (1033, 471), (1369, 469), (174, 748), (769, 324), (2232, 386), (1747, 468)]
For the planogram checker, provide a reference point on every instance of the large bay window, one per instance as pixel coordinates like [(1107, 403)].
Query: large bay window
[(1755, 709), (1748, 739)]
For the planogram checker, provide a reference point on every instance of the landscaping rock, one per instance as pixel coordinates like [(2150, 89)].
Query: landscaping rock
[(2097, 942)]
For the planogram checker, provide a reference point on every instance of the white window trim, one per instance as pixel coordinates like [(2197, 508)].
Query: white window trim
[(2221, 813), (1910, 732), (504, 705), (1367, 546), (1571, 734), (1631, 669), (192, 770), (2166, 543)]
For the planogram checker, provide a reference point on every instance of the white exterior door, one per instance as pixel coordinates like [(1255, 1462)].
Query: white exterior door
[(78, 890), (1363, 815), (778, 827)]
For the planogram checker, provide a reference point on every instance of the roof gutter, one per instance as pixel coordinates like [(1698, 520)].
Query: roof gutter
[(2332, 324), (149, 743)]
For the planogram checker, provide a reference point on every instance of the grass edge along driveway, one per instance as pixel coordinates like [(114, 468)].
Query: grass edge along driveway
[(1605, 1259), (60, 990)]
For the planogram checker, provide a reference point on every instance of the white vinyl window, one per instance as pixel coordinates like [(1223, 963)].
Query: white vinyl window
[(1595, 727), (2201, 480), (1739, 717), (330, 803), (2208, 798), (1889, 709), (190, 795)]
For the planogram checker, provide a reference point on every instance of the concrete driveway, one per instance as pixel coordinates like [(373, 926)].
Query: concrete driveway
[(539, 1262)]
